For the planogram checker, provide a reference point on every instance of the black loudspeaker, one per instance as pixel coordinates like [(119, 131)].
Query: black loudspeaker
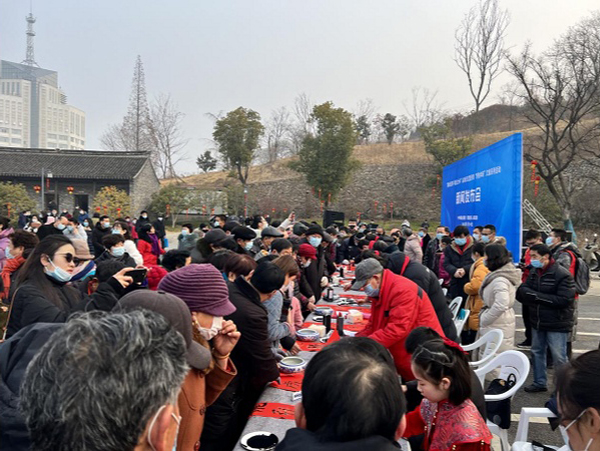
[(330, 217)]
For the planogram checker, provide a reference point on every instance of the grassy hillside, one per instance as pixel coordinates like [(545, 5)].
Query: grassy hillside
[(371, 154)]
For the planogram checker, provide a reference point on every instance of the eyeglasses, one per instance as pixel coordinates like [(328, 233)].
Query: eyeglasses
[(71, 258)]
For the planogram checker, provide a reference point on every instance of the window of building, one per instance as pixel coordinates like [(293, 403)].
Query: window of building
[(3, 139), (16, 140)]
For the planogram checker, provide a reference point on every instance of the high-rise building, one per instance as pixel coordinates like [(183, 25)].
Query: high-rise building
[(33, 108)]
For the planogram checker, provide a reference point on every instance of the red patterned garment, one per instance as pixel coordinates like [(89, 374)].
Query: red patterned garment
[(449, 427)]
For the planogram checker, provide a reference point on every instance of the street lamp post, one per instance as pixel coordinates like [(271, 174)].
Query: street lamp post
[(43, 190), (245, 201)]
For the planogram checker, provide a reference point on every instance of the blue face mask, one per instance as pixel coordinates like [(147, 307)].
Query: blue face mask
[(249, 245), (485, 239), (185, 232), (315, 241), (86, 224), (7, 254), (117, 251), (115, 232), (70, 228), (537, 264), (549, 241), (460, 241), (106, 225), (476, 236), (439, 236), (216, 224), (421, 234), (371, 292), (58, 274), (60, 226)]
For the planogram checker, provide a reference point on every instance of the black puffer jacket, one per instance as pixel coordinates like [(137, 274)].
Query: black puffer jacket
[(456, 257), (31, 306), (15, 355), (297, 439), (315, 272), (428, 281), (549, 294), (99, 232)]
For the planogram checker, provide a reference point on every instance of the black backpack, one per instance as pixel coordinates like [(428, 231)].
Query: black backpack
[(498, 412)]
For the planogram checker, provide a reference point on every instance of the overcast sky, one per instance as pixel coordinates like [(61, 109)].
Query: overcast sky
[(217, 55)]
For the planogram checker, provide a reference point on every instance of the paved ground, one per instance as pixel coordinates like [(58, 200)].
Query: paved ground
[(588, 337)]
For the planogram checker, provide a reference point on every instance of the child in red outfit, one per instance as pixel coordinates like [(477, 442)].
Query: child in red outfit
[(447, 417)]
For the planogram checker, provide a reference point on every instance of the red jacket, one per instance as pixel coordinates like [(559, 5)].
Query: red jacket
[(402, 306), (145, 249)]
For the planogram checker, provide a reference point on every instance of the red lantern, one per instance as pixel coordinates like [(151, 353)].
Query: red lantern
[(212, 211), (358, 216), (105, 209), (375, 204), (168, 209), (534, 163), (537, 186), (70, 190), (37, 189), (203, 210), (47, 183), (118, 212), (98, 209)]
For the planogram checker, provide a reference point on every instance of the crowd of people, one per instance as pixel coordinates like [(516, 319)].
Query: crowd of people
[(171, 349)]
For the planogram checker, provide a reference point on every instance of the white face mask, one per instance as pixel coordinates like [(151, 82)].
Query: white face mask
[(306, 264), (210, 333), (177, 420)]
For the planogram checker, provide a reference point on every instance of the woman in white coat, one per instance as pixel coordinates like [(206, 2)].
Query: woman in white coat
[(498, 292)]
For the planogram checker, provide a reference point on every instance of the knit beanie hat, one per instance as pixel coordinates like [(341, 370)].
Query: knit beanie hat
[(201, 287)]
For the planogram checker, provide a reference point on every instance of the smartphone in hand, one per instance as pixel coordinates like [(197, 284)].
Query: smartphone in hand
[(138, 275)]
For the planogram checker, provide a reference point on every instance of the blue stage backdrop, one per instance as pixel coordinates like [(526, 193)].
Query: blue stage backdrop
[(486, 188)]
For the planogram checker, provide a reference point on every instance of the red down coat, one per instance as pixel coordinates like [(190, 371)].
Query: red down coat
[(401, 307)]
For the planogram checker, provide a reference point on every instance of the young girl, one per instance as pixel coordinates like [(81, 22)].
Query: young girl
[(447, 417)]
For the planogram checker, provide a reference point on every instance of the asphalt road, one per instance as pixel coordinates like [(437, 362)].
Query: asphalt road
[(588, 338)]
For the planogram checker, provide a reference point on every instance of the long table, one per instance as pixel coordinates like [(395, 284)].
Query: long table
[(271, 394)]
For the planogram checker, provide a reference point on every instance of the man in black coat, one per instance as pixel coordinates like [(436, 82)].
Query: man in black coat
[(430, 257), (314, 274), (400, 264), (243, 237), (255, 362), (458, 259), (159, 229), (549, 294), (56, 228), (100, 230)]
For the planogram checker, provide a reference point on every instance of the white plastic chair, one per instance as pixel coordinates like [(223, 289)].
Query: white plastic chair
[(510, 362), (521, 443), (461, 320), (454, 306), (490, 343), (445, 291)]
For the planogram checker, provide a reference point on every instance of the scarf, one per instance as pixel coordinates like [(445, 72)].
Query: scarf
[(10, 266), (448, 425), (154, 244)]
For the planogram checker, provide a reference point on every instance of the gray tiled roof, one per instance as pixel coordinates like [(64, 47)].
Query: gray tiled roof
[(78, 164)]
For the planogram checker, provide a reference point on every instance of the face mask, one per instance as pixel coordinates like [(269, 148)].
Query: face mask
[(145, 216), (70, 228), (249, 245), (116, 232), (421, 234), (460, 241), (439, 236), (549, 241), (8, 254), (177, 420), (485, 239), (537, 264), (106, 225), (564, 430), (58, 274), (210, 333), (60, 226), (307, 264), (315, 241), (160, 218), (86, 224), (371, 292), (117, 251), (476, 236), (185, 232), (81, 212), (216, 224)]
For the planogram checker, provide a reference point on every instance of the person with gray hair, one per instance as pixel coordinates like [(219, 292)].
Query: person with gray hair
[(107, 381)]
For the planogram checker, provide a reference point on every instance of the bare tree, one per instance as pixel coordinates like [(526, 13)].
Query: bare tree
[(480, 47), (424, 108), (561, 90), (134, 132), (278, 129), (165, 128)]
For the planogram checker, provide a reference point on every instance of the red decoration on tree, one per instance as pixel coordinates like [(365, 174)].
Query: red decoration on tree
[(537, 186), (98, 209), (534, 163), (119, 212)]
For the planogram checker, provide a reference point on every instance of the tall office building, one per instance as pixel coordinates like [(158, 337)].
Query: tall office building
[(33, 109)]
